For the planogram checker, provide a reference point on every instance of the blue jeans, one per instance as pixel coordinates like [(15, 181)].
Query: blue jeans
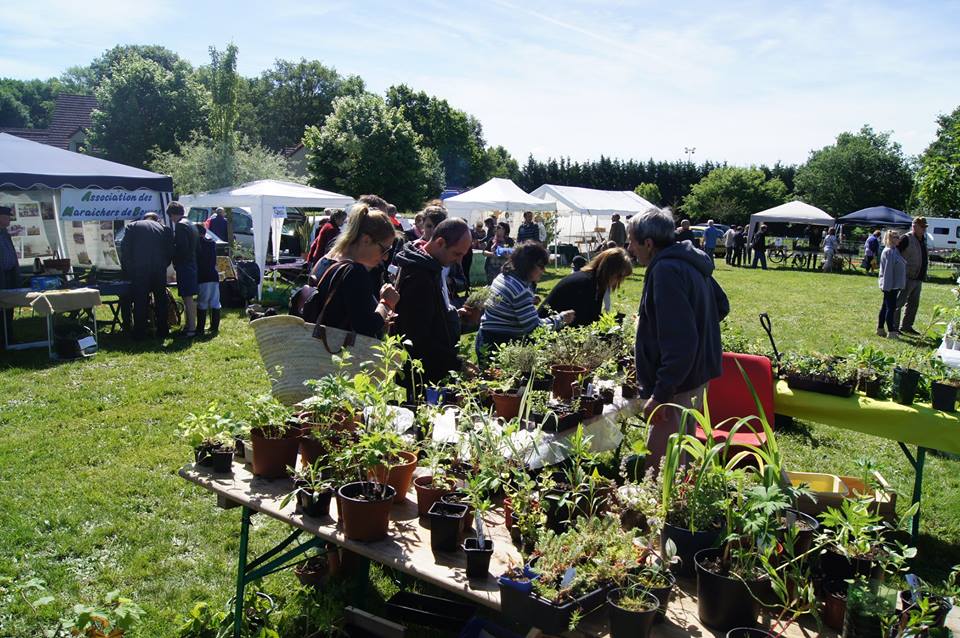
[(760, 255)]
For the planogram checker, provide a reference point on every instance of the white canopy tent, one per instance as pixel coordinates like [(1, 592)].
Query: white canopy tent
[(795, 212), (495, 194), (581, 210), (267, 200)]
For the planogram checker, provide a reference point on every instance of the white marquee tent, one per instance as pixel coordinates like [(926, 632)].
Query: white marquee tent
[(495, 194), (581, 210), (792, 212), (267, 200)]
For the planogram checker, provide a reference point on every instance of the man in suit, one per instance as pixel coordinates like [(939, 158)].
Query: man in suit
[(145, 253), (9, 266)]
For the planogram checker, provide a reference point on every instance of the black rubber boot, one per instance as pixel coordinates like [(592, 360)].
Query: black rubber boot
[(215, 320), (201, 321)]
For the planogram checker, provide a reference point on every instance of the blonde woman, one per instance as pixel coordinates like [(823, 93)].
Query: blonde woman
[(893, 278), (346, 289), (587, 291)]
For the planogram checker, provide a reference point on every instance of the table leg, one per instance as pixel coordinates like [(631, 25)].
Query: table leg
[(241, 573), (917, 464)]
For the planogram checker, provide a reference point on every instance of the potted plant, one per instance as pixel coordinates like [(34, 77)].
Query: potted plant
[(365, 509), (906, 378), (575, 569), (312, 491), (275, 435), (211, 434), (550, 414), (396, 462), (873, 367), (475, 303), (944, 382), (633, 610), (855, 542), (479, 546), (439, 480), (316, 569), (869, 606), (819, 373)]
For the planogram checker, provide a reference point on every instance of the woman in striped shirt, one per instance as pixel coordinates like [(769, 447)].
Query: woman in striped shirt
[(510, 314)]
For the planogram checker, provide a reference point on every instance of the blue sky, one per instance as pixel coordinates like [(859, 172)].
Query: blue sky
[(745, 82)]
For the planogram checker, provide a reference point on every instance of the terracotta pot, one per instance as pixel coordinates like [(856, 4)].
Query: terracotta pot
[(507, 405), (400, 476), (507, 511), (272, 457), (563, 377), (364, 520), (426, 495), (473, 315)]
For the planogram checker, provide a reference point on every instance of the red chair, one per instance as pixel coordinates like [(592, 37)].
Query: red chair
[(730, 399)]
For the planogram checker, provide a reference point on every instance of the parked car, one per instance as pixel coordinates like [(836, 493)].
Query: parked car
[(719, 250), (243, 226)]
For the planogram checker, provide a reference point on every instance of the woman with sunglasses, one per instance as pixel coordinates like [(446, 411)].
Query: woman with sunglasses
[(349, 298)]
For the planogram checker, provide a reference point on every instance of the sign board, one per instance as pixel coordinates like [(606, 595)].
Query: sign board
[(95, 204), (279, 212)]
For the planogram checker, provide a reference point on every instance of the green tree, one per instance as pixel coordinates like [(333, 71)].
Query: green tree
[(367, 147), (731, 194), (938, 179), (224, 87), (860, 170), (87, 79), (648, 191), (293, 95), (13, 113), (201, 165), (456, 136), (143, 106), (499, 163)]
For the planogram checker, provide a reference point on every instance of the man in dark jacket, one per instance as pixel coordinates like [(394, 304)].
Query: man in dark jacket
[(618, 232), (913, 247), (185, 239), (678, 330), (145, 253), (423, 316)]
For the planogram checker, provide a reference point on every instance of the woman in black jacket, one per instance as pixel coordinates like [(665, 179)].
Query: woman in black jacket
[(587, 290), (350, 301)]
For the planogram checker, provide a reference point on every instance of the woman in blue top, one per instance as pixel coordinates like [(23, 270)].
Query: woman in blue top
[(510, 314), (893, 278)]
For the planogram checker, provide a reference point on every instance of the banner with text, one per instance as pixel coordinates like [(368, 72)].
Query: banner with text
[(98, 204)]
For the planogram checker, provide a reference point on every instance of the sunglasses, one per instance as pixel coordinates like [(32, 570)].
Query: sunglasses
[(384, 249)]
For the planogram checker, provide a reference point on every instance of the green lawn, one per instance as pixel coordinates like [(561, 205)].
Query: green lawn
[(90, 500)]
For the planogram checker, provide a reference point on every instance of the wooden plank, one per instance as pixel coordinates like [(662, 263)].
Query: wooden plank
[(374, 624), (407, 549)]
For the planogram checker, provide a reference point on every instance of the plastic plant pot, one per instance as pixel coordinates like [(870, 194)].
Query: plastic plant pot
[(627, 623), (478, 558), (446, 522)]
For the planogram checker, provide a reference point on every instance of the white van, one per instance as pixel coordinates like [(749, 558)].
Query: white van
[(943, 233)]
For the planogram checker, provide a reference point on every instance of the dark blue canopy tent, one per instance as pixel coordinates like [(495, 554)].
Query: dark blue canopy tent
[(27, 165), (877, 216)]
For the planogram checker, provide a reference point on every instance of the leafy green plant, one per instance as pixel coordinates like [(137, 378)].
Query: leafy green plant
[(211, 428), (203, 621), (829, 369), (273, 418), (111, 619), (478, 297)]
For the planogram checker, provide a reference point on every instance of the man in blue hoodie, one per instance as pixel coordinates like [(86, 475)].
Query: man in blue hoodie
[(678, 346)]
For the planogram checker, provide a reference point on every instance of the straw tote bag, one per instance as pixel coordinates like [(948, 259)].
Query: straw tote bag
[(294, 351)]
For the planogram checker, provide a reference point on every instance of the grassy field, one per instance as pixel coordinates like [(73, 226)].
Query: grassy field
[(90, 500)]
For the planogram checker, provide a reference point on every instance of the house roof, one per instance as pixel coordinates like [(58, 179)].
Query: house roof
[(289, 151), (70, 114)]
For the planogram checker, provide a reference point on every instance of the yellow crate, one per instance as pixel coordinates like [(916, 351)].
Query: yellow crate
[(828, 489)]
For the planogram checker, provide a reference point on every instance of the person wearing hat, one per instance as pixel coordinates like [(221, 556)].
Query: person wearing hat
[(913, 247), (9, 266)]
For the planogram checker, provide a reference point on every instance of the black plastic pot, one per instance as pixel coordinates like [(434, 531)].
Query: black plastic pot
[(606, 395), (872, 387), (688, 544), (838, 567), (429, 611), (222, 462), (446, 521), (798, 382), (551, 422), (631, 624), (555, 619), (663, 596), (314, 504), (905, 383), (939, 603), (943, 396), (804, 538), (478, 558), (723, 602), (860, 625), (629, 391)]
